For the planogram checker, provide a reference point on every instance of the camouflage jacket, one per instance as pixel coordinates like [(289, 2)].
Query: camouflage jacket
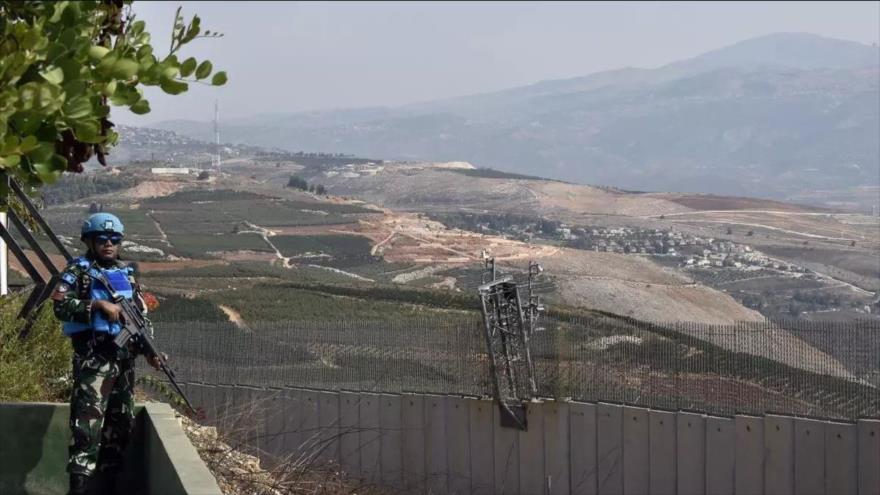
[(71, 298)]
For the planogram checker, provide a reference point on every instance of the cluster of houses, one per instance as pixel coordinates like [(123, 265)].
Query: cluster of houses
[(631, 240), (355, 170), (740, 260), (693, 251)]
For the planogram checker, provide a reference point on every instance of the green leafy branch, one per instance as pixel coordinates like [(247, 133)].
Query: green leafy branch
[(63, 64)]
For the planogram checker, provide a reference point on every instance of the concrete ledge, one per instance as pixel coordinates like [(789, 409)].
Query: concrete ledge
[(175, 465)]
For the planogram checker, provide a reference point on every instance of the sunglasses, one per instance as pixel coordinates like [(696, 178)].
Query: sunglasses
[(114, 239)]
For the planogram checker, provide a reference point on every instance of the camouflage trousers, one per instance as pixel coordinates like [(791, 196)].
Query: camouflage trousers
[(101, 404)]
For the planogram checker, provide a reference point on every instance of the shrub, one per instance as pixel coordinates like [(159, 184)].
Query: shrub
[(37, 367)]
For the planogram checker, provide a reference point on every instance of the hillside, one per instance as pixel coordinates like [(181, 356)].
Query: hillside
[(784, 258), (264, 235), (775, 117)]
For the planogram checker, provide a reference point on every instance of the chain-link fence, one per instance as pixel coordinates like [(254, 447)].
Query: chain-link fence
[(829, 370)]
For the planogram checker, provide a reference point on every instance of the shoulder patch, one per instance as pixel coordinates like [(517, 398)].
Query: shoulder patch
[(82, 262)]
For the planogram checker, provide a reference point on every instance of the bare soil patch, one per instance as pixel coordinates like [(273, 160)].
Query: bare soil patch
[(152, 189), (163, 266)]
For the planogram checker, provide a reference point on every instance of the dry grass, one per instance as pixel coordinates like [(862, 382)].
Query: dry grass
[(239, 473)]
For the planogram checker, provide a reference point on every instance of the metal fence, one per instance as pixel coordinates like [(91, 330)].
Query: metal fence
[(827, 370)]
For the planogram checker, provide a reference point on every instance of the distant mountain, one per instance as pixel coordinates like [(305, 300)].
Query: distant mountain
[(771, 116)]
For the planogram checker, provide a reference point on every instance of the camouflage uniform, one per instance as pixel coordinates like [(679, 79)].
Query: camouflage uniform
[(101, 403)]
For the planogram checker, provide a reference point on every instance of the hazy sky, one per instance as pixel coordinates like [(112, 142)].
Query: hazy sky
[(292, 56)]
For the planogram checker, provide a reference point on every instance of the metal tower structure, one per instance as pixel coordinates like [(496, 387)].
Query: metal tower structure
[(215, 160), (508, 326)]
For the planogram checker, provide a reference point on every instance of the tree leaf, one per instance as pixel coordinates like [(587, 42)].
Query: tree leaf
[(141, 107), (97, 52), (204, 69), (169, 73), (125, 68), (187, 67), (87, 131), (53, 74), (105, 66), (109, 88), (47, 169), (28, 144), (42, 153), (174, 87), (59, 9), (219, 78), (77, 108)]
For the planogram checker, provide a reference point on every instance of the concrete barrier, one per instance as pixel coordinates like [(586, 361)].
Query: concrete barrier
[(661, 452), (391, 439), (412, 420), (160, 458), (582, 454), (636, 451), (449, 444)]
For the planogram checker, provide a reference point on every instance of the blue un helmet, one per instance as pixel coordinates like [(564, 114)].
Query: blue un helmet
[(101, 222)]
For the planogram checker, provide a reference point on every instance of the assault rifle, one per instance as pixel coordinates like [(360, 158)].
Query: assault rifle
[(135, 330)]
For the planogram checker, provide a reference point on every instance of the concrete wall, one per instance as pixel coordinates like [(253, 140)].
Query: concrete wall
[(160, 459), (452, 444)]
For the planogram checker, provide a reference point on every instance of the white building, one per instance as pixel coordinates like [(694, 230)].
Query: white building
[(170, 171)]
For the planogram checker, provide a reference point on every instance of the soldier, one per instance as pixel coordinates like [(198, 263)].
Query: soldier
[(101, 403)]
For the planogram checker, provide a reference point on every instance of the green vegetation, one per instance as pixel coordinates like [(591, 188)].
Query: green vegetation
[(64, 64), (176, 308), (395, 293), (199, 245), (323, 302), (36, 368), (74, 187), (337, 245), (300, 183), (195, 195), (314, 160), (196, 226)]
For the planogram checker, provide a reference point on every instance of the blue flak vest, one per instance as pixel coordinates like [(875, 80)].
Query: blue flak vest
[(118, 278)]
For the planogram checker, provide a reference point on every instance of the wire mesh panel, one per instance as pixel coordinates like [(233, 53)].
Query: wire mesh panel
[(819, 369)]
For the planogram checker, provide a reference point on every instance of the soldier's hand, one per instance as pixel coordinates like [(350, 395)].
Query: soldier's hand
[(155, 362), (111, 310)]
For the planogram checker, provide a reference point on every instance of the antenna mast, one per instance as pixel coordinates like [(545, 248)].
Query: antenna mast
[(215, 160)]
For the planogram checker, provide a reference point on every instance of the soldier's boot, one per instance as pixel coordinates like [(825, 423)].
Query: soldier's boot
[(106, 482), (80, 484)]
